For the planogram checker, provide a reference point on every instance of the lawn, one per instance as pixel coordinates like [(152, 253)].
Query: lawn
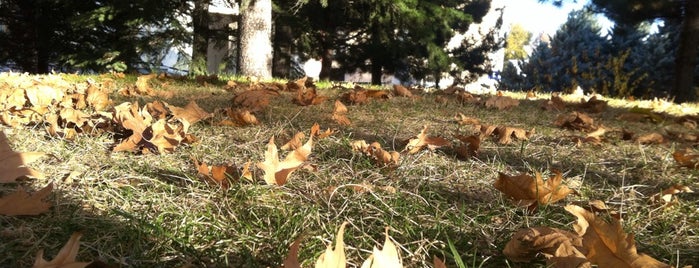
[(155, 210)]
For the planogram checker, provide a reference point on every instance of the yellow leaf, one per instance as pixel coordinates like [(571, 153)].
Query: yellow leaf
[(334, 258)]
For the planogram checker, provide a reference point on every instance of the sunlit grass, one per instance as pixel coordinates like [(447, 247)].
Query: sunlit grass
[(153, 210)]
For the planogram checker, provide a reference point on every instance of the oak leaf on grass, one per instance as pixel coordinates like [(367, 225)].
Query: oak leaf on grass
[(606, 244), (188, 115), (13, 164), (22, 203), (531, 191)]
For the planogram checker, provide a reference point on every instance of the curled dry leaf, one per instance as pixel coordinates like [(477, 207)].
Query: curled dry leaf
[(556, 103), (401, 91), (315, 132), (334, 258), (13, 164), (22, 203), (462, 119), (340, 114), (253, 100), (529, 191), (422, 140), (295, 142), (238, 118), (505, 134), (593, 105), (355, 97), (217, 173), (668, 196), (650, 138), (308, 96), (65, 257), (189, 114), (576, 121), (606, 243), (387, 257), (686, 159), (501, 102), (561, 248), (469, 147)]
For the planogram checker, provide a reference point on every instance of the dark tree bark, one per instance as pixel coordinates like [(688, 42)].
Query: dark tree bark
[(376, 72), (326, 64), (255, 38), (687, 53)]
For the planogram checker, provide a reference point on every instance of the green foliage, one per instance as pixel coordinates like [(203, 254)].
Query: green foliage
[(517, 39), (87, 35)]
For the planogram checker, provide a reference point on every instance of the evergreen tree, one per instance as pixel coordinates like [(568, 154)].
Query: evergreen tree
[(87, 35)]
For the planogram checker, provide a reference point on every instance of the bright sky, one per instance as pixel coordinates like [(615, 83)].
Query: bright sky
[(542, 17)]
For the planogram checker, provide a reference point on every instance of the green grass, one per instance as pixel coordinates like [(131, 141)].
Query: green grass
[(153, 210)]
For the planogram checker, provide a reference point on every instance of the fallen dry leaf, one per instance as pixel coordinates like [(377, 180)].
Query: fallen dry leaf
[(606, 243), (422, 140), (334, 258), (462, 119), (340, 114), (531, 191), (188, 115), (253, 100), (650, 138), (438, 263), (292, 259), (576, 121), (555, 103), (387, 257), (501, 102), (686, 159), (401, 91), (13, 164), (469, 147), (295, 142), (276, 172), (668, 196), (560, 248), (65, 257), (22, 203), (308, 96)]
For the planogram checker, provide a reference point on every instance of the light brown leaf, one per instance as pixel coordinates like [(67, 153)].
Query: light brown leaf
[(561, 248), (576, 121), (190, 114), (339, 108), (650, 138), (13, 164), (422, 140), (98, 98), (666, 196), (401, 91), (253, 100), (529, 191), (686, 159), (295, 142), (292, 260), (387, 257), (505, 134), (606, 243), (65, 257), (438, 263), (470, 145), (277, 172), (462, 119), (334, 258), (22, 203), (501, 102)]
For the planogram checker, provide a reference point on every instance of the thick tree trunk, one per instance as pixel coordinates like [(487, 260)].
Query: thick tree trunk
[(283, 38), (376, 72), (687, 54), (326, 64), (255, 38), (200, 44)]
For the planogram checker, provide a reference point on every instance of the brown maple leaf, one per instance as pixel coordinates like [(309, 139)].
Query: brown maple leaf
[(531, 191), (308, 96), (189, 114), (253, 100), (355, 97), (469, 147), (22, 203), (295, 142), (98, 98), (685, 158), (13, 164), (606, 244), (561, 248), (238, 118), (462, 119), (340, 114)]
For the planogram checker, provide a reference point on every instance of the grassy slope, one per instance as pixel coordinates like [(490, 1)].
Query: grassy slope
[(153, 211)]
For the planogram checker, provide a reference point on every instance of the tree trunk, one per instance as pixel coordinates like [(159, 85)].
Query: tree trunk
[(687, 53), (200, 44), (326, 64), (255, 38), (376, 72), (283, 38)]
